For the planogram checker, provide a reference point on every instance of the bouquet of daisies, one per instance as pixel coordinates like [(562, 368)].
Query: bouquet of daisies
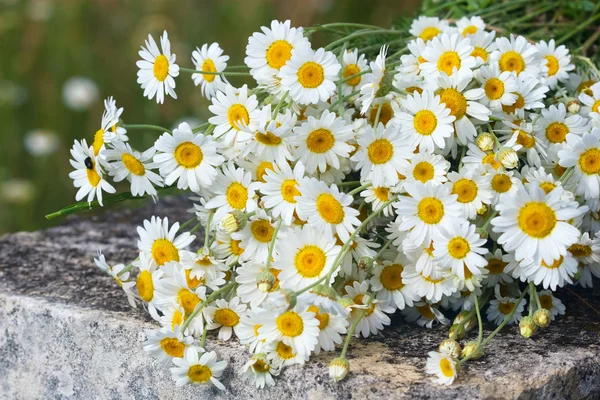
[(454, 180)]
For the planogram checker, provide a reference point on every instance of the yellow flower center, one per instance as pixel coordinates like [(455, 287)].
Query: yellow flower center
[(290, 324), (193, 282), (446, 368), (188, 155), (172, 347), (320, 140), (226, 317), (382, 193), (164, 251), (526, 140), (311, 75), (423, 171), (494, 88), (268, 139), (391, 277), (145, 286), (133, 165), (92, 176), (448, 61), (547, 187), (310, 261), (237, 196), (455, 101), (480, 52), (490, 159), (322, 318), (289, 190), (262, 230), (555, 264), (520, 103), (161, 68), (589, 161), (469, 30), (537, 219), (238, 114), (261, 170), (284, 351), (580, 250), (209, 66), (98, 141), (261, 367), (466, 190), (458, 247), (352, 69), (359, 300), (187, 300), (330, 209), (278, 53), (430, 210), (235, 247), (512, 61), (380, 151), (425, 311), (199, 373), (596, 106), (425, 122), (429, 33), (176, 320), (505, 308), (496, 266), (501, 183), (552, 64), (385, 115), (556, 132)]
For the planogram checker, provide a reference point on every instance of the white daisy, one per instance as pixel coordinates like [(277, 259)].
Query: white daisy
[(88, 175), (387, 282), (120, 276), (426, 167), (470, 25), (448, 54), (281, 355), (425, 315), (281, 189), (551, 274), (516, 55), (460, 248), (352, 64), (296, 328), (500, 307), (498, 87), (551, 303), (224, 315), (248, 275), (165, 344), (115, 132), (247, 331), (483, 45), (554, 125), (427, 27), (227, 249), (258, 370), (442, 366), (157, 69), (195, 369), (331, 326), (432, 285), (161, 243), (586, 250), (411, 63), (234, 109), (373, 81), (473, 190), (590, 101), (530, 93), (583, 154), (209, 59), (256, 237), (496, 267), (375, 317), (377, 196), (555, 62)]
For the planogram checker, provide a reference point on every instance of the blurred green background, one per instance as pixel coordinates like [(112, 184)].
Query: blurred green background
[(60, 59)]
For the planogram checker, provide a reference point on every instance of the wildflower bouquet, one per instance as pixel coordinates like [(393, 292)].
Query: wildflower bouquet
[(452, 180)]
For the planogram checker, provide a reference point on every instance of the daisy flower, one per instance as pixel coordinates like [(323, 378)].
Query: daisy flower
[(473, 190), (496, 267), (224, 315), (442, 366), (411, 63), (476, 158), (195, 369), (516, 55), (448, 54), (322, 142), (88, 175), (375, 316), (387, 282), (382, 153), (534, 224), (552, 274), (470, 26), (551, 303), (426, 167), (331, 327), (113, 132), (554, 125), (124, 162), (483, 45), (296, 328), (147, 281), (310, 75), (500, 307), (424, 315), (227, 249), (373, 81), (425, 208), (165, 344), (590, 101), (157, 69), (281, 355), (460, 248), (188, 158), (209, 59), (256, 236), (161, 243), (326, 208), (377, 196), (555, 62), (268, 51), (280, 190), (304, 257), (258, 370), (498, 87), (233, 191), (234, 109), (426, 120), (120, 276), (247, 331), (530, 93), (352, 64), (583, 154), (432, 285), (586, 250), (427, 27), (519, 136)]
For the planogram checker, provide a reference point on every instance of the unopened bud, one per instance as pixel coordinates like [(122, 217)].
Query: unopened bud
[(450, 347), (325, 291), (542, 318), (509, 158), (527, 327), (472, 350), (365, 263), (385, 85), (574, 107), (290, 296), (265, 281), (457, 331), (338, 368), (234, 221), (482, 210), (485, 142), (461, 316), (469, 325)]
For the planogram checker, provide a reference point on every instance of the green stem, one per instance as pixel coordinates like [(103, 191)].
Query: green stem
[(506, 319), (354, 325), (360, 188), (377, 115), (199, 128), (127, 268), (531, 297), (186, 223), (207, 230), (385, 246), (203, 339), (201, 305), (272, 246), (223, 73), (579, 28), (147, 127), (342, 25), (479, 322), (280, 104)]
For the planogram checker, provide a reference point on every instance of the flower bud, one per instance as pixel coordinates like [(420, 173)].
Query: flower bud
[(461, 316), (542, 318), (508, 157), (385, 85), (527, 327), (365, 263), (450, 347), (482, 210), (457, 331), (485, 142), (574, 107), (469, 325), (234, 221), (472, 351), (325, 291), (265, 281), (338, 368)]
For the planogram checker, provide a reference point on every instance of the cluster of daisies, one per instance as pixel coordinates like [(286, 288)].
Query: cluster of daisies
[(454, 180)]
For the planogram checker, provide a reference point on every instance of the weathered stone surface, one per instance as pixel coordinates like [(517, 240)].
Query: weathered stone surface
[(66, 331)]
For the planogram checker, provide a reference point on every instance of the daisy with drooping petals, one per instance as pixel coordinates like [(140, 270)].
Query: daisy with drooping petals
[(373, 81), (516, 55), (498, 87), (268, 51), (88, 175), (124, 162), (322, 142), (427, 167), (534, 224), (470, 26), (551, 274), (188, 158), (500, 307), (383, 152), (271, 141), (427, 121), (165, 344), (586, 250), (209, 59), (551, 303), (425, 208), (448, 54), (256, 236), (280, 190), (161, 243), (310, 75), (297, 328), (259, 369), (472, 189), (305, 256), (554, 125), (120, 276), (496, 267), (442, 366), (281, 355), (387, 282), (331, 326), (375, 317), (583, 154), (377, 196), (224, 315), (460, 248), (352, 64), (247, 332), (555, 63), (195, 369), (227, 249), (116, 132), (157, 69), (411, 63), (428, 27), (234, 109), (425, 315)]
